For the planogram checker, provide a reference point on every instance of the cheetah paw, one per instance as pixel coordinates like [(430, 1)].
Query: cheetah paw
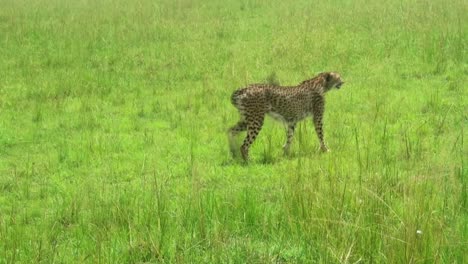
[(286, 150), (324, 149)]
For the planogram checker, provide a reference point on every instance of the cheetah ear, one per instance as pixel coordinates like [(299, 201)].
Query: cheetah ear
[(328, 76)]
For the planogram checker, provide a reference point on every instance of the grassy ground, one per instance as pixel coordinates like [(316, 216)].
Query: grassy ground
[(113, 117)]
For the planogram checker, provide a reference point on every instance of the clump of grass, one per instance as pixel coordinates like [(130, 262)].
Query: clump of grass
[(272, 79)]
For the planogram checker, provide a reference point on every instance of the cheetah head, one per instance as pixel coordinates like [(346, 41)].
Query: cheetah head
[(333, 79)]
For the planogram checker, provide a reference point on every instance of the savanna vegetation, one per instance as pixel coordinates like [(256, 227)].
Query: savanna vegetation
[(113, 120)]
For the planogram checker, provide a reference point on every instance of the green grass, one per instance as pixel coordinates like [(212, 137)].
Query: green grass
[(113, 119)]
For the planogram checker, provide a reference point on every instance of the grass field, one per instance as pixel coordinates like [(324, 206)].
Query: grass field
[(113, 120)]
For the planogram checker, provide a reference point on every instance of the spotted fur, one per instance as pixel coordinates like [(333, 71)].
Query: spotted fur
[(289, 104)]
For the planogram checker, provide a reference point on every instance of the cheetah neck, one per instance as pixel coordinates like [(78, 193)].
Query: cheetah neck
[(317, 83), (313, 87)]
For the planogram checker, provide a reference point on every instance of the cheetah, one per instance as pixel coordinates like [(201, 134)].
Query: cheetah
[(289, 104)]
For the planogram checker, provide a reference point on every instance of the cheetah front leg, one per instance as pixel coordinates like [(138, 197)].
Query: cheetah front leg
[(318, 116), (254, 125), (233, 132), (289, 138)]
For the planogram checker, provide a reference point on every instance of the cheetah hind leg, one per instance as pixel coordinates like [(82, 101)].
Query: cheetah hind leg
[(233, 132), (289, 138)]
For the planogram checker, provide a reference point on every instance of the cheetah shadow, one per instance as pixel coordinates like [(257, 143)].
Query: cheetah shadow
[(269, 158)]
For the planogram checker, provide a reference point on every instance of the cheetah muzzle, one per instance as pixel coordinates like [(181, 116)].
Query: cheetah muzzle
[(289, 104)]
